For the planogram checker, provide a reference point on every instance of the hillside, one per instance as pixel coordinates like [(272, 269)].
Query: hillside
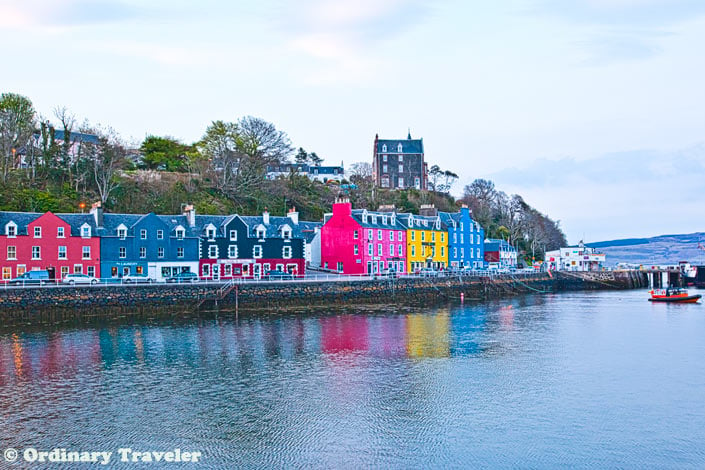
[(663, 249)]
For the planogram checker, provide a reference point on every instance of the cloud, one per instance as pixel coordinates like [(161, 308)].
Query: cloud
[(62, 14)]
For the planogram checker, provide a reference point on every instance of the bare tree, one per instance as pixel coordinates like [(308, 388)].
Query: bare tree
[(17, 119), (106, 157)]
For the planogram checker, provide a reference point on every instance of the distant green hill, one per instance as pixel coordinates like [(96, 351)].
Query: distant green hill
[(663, 249)]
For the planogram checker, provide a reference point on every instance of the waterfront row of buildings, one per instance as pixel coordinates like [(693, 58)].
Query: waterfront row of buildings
[(348, 241)]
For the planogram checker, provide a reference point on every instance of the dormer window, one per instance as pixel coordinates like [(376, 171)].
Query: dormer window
[(211, 233), (122, 232), (364, 217), (180, 233), (37, 232), (399, 148), (85, 231), (384, 147), (374, 219), (60, 232), (286, 232), (11, 229), (384, 220), (261, 232)]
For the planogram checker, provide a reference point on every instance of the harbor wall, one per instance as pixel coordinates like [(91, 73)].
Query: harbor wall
[(46, 304)]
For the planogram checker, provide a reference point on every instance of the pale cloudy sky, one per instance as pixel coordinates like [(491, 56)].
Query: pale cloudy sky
[(593, 110)]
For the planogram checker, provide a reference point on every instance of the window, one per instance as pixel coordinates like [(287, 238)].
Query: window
[(340, 266), (180, 233), (399, 148), (379, 249), (385, 181), (369, 249), (143, 252), (463, 237), (85, 231), (384, 168), (213, 251), (180, 252), (233, 235), (90, 270), (160, 234), (286, 252), (413, 250), (399, 236), (443, 237), (455, 252), (433, 236), (261, 232), (227, 270), (65, 271), (413, 236), (455, 238), (401, 252), (472, 239), (86, 252), (379, 234), (77, 268), (286, 233), (122, 233), (60, 232), (478, 252), (257, 251), (355, 234), (391, 250), (443, 251), (401, 168), (391, 236), (369, 234), (143, 234), (11, 230), (417, 182), (374, 219), (206, 269), (355, 249), (423, 236), (384, 220), (210, 233), (232, 251), (160, 252), (37, 232), (401, 182), (36, 252), (11, 252), (123, 252), (384, 149), (401, 159), (6, 273)]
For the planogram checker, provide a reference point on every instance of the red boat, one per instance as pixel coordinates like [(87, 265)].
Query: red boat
[(673, 294)]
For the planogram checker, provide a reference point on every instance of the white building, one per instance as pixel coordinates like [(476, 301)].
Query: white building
[(576, 258), (323, 174)]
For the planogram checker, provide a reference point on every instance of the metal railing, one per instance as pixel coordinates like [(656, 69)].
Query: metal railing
[(224, 284)]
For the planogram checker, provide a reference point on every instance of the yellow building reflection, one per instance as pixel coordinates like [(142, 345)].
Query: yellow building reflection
[(428, 335)]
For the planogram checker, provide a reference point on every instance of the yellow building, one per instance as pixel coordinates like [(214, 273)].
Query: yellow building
[(426, 242)]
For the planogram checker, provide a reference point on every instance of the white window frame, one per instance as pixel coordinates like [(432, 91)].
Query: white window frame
[(13, 226), (14, 249), (286, 252), (257, 251), (38, 251), (37, 232), (122, 252), (232, 251), (60, 232), (83, 252), (213, 252), (143, 252)]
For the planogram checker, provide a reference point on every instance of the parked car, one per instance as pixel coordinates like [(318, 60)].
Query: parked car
[(183, 277), (278, 275), (389, 273), (76, 278), (136, 278), (428, 272), (31, 278)]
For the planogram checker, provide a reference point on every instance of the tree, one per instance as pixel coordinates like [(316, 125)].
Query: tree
[(301, 156), (315, 159), (219, 146), (17, 119), (261, 142), (106, 158), (164, 153)]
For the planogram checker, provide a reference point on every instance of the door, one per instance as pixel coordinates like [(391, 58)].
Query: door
[(216, 271), (152, 271), (257, 271)]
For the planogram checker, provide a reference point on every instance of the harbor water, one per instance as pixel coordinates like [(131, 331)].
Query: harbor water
[(587, 380)]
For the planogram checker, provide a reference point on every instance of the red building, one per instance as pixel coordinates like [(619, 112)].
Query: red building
[(61, 244), (361, 241)]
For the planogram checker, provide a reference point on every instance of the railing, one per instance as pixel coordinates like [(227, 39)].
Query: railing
[(227, 284)]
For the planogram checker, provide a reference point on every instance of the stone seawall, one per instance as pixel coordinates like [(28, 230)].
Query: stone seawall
[(51, 304)]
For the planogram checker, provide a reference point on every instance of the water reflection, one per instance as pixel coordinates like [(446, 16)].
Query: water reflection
[(446, 386)]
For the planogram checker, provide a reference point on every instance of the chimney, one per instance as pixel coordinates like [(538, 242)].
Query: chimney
[(342, 206), (190, 213), (97, 212), (265, 216), (294, 216), (428, 210), (387, 208)]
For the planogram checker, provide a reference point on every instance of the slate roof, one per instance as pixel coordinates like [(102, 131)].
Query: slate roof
[(407, 145), (76, 137), (22, 219), (274, 228), (404, 219), (112, 221), (357, 215), (308, 229), (448, 217), (494, 245)]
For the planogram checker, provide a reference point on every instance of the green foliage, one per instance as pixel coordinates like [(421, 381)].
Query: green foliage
[(165, 153)]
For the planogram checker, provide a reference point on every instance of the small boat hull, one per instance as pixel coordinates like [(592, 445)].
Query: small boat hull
[(686, 299)]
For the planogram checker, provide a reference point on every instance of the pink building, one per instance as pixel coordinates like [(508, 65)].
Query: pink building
[(362, 241)]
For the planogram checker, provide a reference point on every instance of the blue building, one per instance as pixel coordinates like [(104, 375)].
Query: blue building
[(500, 253), (465, 239), (156, 246)]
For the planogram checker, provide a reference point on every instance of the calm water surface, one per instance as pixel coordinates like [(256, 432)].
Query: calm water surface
[(579, 380)]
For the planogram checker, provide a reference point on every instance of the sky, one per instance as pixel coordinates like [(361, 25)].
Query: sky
[(592, 110)]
